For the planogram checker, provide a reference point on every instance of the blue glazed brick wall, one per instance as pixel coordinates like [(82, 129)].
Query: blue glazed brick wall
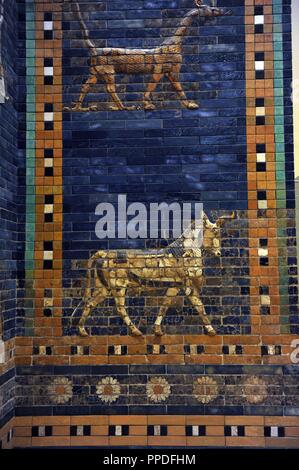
[(8, 176), (168, 154), (8, 203)]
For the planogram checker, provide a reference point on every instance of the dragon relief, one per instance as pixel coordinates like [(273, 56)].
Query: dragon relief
[(158, 62)]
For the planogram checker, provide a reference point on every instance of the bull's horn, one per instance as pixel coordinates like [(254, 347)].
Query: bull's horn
[(226, 217), (198, 3)]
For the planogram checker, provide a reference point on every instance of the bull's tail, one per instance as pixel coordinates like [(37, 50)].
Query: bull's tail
[(86, 34)]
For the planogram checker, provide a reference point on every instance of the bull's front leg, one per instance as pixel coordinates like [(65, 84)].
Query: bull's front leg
[(120, 301), (194, 297), (169, 298)]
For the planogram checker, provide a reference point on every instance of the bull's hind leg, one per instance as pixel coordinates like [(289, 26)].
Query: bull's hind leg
[(194, 298), (120, 301), (90, 304), (168, 300)]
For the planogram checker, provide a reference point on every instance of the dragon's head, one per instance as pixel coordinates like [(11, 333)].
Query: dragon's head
[(211, 10)]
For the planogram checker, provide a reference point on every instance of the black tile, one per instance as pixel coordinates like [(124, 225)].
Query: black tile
[(261, 166), (86, 430), (48, 264), (48, 431), (48, 246), (260, 74), (48, 35), (259, 28), (281, 432), (48, 218), (48, 153), (259, 56), (262, 195), (267, 431), (258, 10), (260, 120), (48, 16), (48, 62), (49, 107), (34, 431), (49, 171), (48, 80), (49, 199), (49, 126)]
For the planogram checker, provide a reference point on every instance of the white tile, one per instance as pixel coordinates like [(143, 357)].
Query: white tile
[(263, 252), (157, 430), (262, 204), (48, 162), (49, 208), (260, 111), (265, 300), (49, 71), (234, 430), (259, 65), (48, 255), (274, 431), (260, 157), (118, 430), (48, 25), (48, 116), (195, 431)]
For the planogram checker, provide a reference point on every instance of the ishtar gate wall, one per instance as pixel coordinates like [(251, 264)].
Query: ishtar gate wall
[(146, 99)]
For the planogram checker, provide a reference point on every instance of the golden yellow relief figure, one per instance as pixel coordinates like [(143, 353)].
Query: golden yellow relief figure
[(178, 266), (162, 61)]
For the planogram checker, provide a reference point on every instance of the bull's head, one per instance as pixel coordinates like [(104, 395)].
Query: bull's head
[(211, 10), (212, 233)]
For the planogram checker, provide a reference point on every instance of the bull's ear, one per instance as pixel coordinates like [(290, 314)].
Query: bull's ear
[(221, 219), (206, 222)]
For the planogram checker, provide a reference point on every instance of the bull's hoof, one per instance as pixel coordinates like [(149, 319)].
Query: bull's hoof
[(82, 331), (149, 106), (192, 105), (158, 330), (210, 330), (135, 331)]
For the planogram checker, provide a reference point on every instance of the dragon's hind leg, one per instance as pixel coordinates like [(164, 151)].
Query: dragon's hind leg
[(109, 78), (174, 79), (78, 106), (148, 105)]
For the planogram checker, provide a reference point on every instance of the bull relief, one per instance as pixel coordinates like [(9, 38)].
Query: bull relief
[(163, 61), (177, 267)]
